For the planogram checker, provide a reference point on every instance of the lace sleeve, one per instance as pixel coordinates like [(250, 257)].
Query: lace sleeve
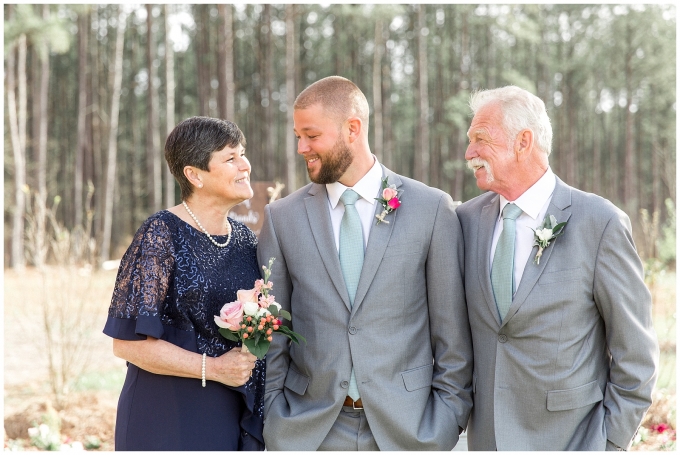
[(142, 283)]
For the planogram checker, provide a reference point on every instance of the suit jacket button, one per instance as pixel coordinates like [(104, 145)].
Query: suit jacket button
[(352, 330), (344, 384), (502, 338)]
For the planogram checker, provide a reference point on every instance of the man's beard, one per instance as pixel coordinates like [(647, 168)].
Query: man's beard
[(334, 164), (477, 162)]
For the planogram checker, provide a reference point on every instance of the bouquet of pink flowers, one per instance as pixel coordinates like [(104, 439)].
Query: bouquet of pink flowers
[(254, 317)]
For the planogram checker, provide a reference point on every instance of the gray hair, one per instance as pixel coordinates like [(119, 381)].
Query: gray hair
[(192, 143), (521, 110)]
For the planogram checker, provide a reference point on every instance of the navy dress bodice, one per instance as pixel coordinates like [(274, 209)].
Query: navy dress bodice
[(171, 283)]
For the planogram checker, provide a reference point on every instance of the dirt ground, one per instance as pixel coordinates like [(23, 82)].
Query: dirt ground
[(87, 414)]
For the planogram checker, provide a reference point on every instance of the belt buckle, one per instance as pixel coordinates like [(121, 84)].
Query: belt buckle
[(355, 407)]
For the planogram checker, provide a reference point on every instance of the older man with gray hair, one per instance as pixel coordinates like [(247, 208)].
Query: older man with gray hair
[(565, 356)]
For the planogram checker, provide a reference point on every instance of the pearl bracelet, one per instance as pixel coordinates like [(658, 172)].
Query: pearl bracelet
[(203, 371)]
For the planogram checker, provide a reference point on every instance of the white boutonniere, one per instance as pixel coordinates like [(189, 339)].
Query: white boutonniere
[(389, 200), (545, 234)]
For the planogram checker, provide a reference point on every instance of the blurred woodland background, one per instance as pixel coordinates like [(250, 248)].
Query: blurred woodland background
[(91, 92)]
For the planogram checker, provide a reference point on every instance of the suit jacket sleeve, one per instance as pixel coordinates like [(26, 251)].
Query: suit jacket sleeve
[(449, 325), (278, 357), (625, 305)]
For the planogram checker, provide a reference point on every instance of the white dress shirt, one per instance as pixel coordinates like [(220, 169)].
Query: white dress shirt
[(367, 188), (534, 204)]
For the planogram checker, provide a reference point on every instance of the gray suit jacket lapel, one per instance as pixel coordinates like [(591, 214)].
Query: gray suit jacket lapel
[(377, 244), (559, 208), (322, 230), (487, 223)]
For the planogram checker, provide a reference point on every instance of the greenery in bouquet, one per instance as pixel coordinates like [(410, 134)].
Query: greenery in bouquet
[(254, 317)]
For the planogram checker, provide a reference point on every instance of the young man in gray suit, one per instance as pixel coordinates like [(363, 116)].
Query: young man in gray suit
[(565, 356), (375, 288)]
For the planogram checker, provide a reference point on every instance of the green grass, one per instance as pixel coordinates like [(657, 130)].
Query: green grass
[(663, 289), (111, 380), (667, 365)]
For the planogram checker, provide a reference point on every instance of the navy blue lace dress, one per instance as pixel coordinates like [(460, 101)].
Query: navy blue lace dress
[(171, 283)]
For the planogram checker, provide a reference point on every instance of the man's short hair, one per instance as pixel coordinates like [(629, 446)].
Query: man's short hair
[(521, 110), (340, 97)]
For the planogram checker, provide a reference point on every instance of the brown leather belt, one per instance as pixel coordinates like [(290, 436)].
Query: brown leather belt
[(354, 404)]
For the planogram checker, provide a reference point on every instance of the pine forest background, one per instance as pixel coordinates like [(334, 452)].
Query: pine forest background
[(91, 92)]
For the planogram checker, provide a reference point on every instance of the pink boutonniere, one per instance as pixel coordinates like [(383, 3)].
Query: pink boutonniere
[(389, 200)]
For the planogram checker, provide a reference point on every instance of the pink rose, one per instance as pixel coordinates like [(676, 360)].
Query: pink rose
[(247, 295), (230, 316), (389, 193), (394, 203)]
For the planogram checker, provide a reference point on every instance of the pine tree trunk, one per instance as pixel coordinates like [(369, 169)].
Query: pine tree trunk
[(270, 130), (379, 48), (291, 56), (222, 62), (229, 62), (153, 152), (630, 183), (226, 88), (98, 54), (422, 152), (18, 152), (81, 151), (201, 56), (42, 121), (169, 105), (113, 137), (461, 137), (388, 149)]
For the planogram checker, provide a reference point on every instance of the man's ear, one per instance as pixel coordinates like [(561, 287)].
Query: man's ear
[(524, 144), (354, 126)]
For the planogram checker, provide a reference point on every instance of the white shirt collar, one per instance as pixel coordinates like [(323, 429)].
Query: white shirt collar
[(367, 187), (532, 200)]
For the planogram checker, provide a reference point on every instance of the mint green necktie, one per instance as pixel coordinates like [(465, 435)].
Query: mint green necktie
[(351, 259), (502, 268)]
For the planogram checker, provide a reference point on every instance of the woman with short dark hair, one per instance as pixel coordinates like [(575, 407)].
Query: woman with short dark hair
[(187, 387)]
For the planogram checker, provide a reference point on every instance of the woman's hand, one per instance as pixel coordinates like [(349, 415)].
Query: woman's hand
[(160, 357), (233, 368)]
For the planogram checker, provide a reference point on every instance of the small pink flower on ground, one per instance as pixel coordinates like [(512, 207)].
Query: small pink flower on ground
[(394, 203), (661, 427)]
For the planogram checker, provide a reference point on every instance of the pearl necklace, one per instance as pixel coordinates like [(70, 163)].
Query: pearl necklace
[(205, 231)]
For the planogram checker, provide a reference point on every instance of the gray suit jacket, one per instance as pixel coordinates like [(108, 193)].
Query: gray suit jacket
[(574, 362), (407, 334)]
